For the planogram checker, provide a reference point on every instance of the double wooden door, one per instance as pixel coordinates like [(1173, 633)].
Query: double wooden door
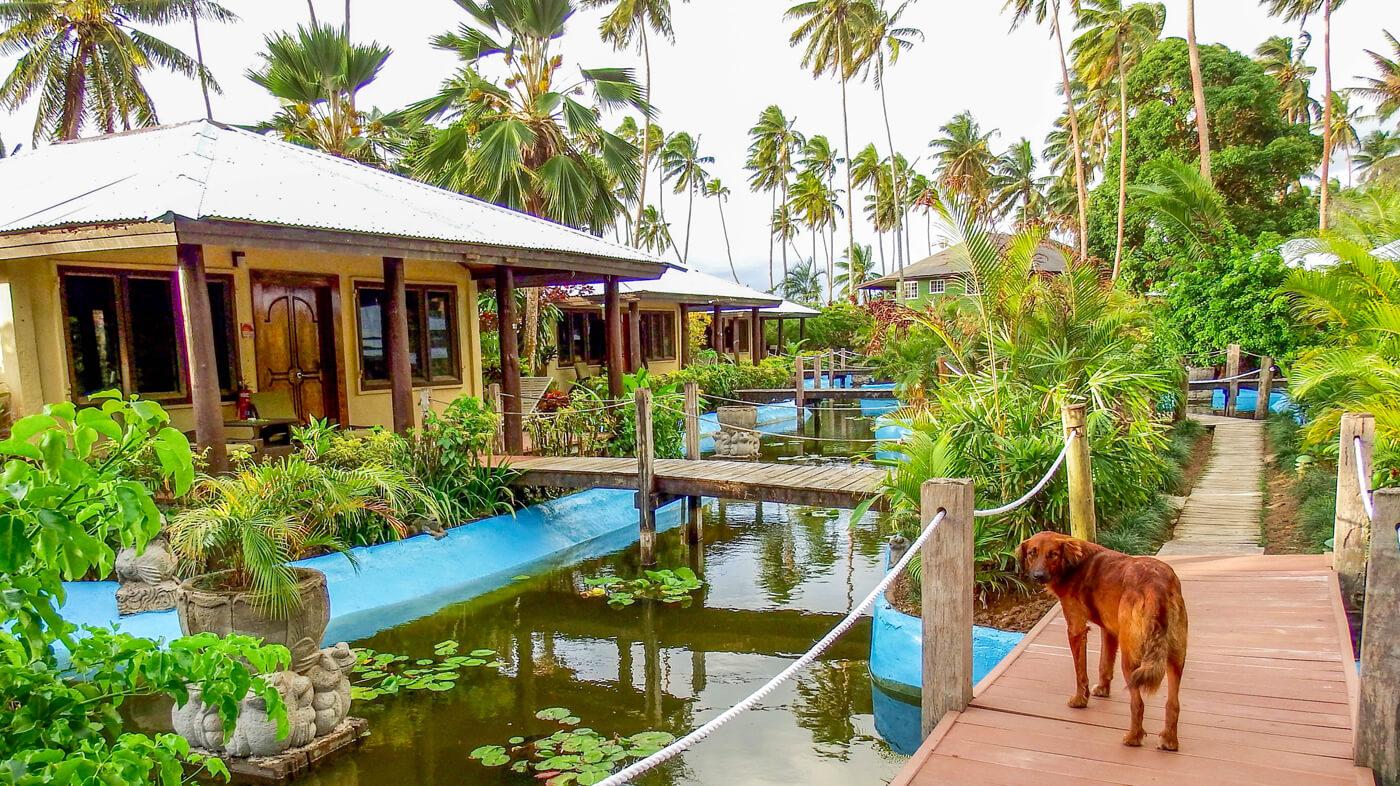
[(296, 346)]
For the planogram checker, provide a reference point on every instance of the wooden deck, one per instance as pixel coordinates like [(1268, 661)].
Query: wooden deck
[(1222, 515), (1268, 696), (797, 484)]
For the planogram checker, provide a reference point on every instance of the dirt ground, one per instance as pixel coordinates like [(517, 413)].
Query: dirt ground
[(1011, 611), (1282, 532)]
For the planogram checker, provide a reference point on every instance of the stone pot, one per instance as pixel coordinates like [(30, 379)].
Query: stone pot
[(203, 606), (744, 417)]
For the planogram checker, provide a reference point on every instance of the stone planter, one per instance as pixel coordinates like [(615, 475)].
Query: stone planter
[(737, 437), (147, 579), (738, 417), (203, 606)]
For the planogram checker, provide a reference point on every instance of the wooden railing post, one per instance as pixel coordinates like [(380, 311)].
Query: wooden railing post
[(1350, 525), (646, 476), (946, 591), (1378, 716), (1079, 473), (1266, 385), (493, 396), (692, 421), (799, 394), (1232, 369), (817, 370)]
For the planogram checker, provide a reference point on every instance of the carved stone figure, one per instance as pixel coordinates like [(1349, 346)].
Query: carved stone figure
[(737, 437), (147, 579), (330, 679)]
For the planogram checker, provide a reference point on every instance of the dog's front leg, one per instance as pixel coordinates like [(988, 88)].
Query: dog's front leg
[(1106, 663), (1078, 648)]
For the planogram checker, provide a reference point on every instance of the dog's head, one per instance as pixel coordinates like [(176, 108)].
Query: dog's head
[(1047, 556)]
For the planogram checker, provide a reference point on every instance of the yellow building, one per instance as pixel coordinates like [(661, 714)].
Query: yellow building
[(184, 262)]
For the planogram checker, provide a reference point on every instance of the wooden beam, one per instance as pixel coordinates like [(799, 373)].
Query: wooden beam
[(201, 358), (493, 397), (394, 311), (1378, 716), (510, 361), (612, 324), (1079, 475), (756, 352), (1350, 523), (946, 587), (717, 331), (781, 346), (634, 335), (801, 328)]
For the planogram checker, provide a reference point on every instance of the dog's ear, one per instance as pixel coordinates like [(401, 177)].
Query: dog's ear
[(1072, 552), (1021, 555)]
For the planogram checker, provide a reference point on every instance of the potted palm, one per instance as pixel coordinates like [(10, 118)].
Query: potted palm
[(237, 542)]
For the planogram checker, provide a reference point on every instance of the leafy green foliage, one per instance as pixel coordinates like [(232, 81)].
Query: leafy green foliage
[(722, 378), (387, 674), (841, 325), (570, 755), (666, 585)]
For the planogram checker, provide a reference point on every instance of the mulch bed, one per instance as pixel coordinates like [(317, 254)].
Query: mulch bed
[(1013, 610)]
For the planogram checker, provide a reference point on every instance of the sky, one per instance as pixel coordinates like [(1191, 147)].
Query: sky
[(731, 59)]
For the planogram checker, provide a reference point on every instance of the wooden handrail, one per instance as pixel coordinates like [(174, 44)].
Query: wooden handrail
[(1378, 717)]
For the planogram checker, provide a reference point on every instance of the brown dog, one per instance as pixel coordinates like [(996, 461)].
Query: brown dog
[(1135, 601)]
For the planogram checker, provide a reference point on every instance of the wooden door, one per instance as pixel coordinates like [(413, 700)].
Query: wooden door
[(295, 338)]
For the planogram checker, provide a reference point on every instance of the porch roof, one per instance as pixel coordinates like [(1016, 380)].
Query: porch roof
[(786, 309), (207, 182), (692, 288)]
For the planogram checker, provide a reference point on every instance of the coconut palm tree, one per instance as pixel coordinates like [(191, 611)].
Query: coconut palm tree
[(653, 233), (964, 158), (815, 204), (720, 193), (1285, 63), (1299, 11), (1378, 156), (785, 227), (1384, 88), (854, 270), (820, 157), (773, 142), (831, 31), (1343, 132), (1050, 9), (316, 75), (1198, 89), (682, 163), (1114, 37), (803, 283), (626, 25), (531, 142), (1015, 186), (83, 62)]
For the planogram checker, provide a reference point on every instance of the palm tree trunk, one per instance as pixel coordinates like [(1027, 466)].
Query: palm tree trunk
[(311, 6), (789, 217), (719, 200), (347, 20), (772, 229), (894, 176), (1080, 181), (850, 215), (689, 213), (530, 329), (1198, 89), (1122, 159), (74, 97), (646, 142), (199, 60), (1326, 115)]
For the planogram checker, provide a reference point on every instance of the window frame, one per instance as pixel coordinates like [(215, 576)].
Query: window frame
[(648, 337), (121, 289), (937, 286), (914, 283), (454, 330), (970, 285), (565, 357)]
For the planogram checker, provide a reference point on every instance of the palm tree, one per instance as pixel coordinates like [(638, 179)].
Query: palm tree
[(681, 161), (785, 227), (626, 24), (1384, 89), (1377, 157), (1198, 89), (316, 75), (1042, 10), (803, 283), (83, 62), (720, 192), (821, 159), (1343, 130), (1299, 11), (831, 30), (772, 143), (964, 158), (815, 204), (855, 270), (1015, 186), (653, 233), (1114, 38), (529, 143), (1287, 66)]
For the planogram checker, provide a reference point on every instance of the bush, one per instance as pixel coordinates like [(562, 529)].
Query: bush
[(722, 379), (841, 325)]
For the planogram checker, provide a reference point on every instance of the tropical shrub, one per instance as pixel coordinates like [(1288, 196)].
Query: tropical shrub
[(841, 325), (722, 379), (64, 501)]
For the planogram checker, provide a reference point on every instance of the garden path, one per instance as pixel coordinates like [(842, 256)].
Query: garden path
[(1222, 514)]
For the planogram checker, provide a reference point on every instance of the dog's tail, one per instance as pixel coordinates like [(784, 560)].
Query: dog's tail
[(1154, 644)]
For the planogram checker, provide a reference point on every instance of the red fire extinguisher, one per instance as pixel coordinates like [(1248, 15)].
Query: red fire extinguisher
[(245, 402)]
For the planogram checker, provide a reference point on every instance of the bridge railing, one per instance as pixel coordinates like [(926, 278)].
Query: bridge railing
[(1202, 389)]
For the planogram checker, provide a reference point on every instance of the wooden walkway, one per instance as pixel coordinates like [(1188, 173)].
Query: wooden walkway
[(1222, 515), (797, 484), (770, 395)]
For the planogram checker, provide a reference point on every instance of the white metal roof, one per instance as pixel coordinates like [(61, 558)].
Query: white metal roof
[(787, 308), (205, 170), (686, 285)]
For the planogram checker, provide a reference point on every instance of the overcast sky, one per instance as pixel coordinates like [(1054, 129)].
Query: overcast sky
[(730, 60)]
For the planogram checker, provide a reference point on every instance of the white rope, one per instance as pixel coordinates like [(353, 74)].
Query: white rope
[(683, 744), (1363, 481), (1055, 467), (1235, 378), (675, 411)]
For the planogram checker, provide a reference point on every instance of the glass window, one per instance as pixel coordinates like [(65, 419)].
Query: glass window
[(432, 334), (658, 336), (937, 286), (911, 290), (583, 338), (970, 286), (94, 333), (155, 355)]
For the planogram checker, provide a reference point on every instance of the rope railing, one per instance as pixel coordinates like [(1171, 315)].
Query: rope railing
[(637, 769), (1363, 480), (1235, 378), (807, 437)]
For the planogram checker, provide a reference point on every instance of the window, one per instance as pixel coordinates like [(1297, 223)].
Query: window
[(125, 331), (911, 290), (432, 335), (658, 331), (581, 337), (970, 286), (937, 286)]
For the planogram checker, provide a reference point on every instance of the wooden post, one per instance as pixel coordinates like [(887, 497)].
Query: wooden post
[(756, 348), (801, 328), (612, 324), (782, 348), (1232, 369), (646, 476), (1378, 717), (717, 331), (946, 590), (692, 421), (694, 528), (1080, 475), (395, 318), (634, 335), (510, 362), (684, 352), (1350, 525), (816, 371), (1266, 384), (493, 393), (200, 357)]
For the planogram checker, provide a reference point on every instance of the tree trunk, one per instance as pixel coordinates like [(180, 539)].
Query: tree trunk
[(689, 214), (347, 20), (1325, 198), (311, 6), (530, 331), (894, 178), (772, 230), (199, 59), (646, 144), (1080, 181), (74, 97), (1122, 160), (1198, 89), (719, 200), (850, 215)]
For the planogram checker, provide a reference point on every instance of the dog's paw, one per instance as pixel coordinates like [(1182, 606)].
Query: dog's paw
[(1167, 743), (1100, 690), (1133, 739), (1078, 702)]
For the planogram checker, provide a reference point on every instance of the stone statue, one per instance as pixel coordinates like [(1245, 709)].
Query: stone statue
[(737, 437), (147, 579)]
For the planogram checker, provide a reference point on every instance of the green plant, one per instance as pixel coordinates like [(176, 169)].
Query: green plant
[(254, 522), (666, 585), (386, 674), (446, 456), (570, 755)]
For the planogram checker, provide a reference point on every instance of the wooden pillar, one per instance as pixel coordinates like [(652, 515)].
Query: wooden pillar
[(1266, 385), (1080, 475), (946, 586), (395, 318), (1378, 716), (510, 362), (683, 353), (646, 476), (634, 335), (1232, 369), (1350, 525), (493, 394), (816, 371), (717, 331), (756, 348), (200, 356), (782, 348), (612, 323), (692, 421), (801, 328), (694, 528)]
